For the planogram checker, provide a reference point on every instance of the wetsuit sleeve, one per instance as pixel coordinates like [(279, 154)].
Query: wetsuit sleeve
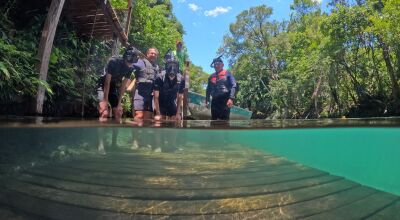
[(208, 90), (110, 68), (137, 67), (129, 73), (232, 81), (158, 84), (181, 87)]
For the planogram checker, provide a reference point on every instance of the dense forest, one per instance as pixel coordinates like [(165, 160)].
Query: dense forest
[(343, 61)]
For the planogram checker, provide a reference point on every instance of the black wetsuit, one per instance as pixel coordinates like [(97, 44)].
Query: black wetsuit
[(220, 87), (169, 90), (118, 70), (145, 74)]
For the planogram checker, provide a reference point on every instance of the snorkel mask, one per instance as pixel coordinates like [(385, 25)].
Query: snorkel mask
[(172, 68), (171, 64), (216, 60), (130, 55)]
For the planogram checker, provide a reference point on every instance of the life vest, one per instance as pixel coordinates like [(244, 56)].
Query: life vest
[(221, 75), (148, 73), (221, 85)]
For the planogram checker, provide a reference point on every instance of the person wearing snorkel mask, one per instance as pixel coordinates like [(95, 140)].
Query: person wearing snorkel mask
[(222, 88), (168, 90), (113, 83)]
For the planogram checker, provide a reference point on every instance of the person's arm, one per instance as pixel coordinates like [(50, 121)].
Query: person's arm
[(232, 94), (157, 104), (106, 88), (232, 81), (122, 89), (103, 104), (121, 92), (156, 97), (208, 92)]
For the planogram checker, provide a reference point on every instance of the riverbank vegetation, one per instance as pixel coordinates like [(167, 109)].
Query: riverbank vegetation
[(341, 62)]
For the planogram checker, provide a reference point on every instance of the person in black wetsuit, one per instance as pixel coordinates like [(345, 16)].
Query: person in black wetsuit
[(113, 83), (111, 87), (168, 90), (146, 71), (222, 88)]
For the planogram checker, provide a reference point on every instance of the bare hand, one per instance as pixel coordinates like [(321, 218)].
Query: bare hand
[(229, 103), (157, 117), (103, 105), (103, 110), (178, 117), (206, 104)]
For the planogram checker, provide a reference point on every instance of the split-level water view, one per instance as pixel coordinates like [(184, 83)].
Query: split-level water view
[(291, 169)]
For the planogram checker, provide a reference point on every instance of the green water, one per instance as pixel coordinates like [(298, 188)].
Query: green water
[(370, 156)]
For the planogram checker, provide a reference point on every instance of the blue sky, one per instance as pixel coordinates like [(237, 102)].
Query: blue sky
[(207, 21)]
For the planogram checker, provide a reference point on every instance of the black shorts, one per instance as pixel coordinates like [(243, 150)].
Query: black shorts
[(143, 98), (219, 109), (168, 110), (112, 97)]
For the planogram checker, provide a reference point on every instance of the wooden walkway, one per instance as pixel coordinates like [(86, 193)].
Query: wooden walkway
[(188, 184)]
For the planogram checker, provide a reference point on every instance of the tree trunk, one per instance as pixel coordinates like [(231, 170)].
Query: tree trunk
[(376, 70), (335, 97), (314, 99), (398, 60), (390, 69), (46, 43), (354, 80)]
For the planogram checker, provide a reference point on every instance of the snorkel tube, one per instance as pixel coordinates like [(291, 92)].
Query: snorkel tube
[(218, 59)]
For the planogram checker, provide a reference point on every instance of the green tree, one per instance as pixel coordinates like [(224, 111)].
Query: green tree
[(154, 25), (251, 53)]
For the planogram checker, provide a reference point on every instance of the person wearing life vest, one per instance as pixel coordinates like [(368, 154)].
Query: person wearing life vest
[(222, 88), (168, 90), (146, 71), (113, 83)]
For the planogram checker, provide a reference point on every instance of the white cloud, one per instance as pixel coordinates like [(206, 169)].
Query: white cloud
[(181, 1), (217, 11), (318, 1), (193, 7)]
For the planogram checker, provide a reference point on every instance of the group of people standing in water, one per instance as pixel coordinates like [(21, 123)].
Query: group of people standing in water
[(157, 92)]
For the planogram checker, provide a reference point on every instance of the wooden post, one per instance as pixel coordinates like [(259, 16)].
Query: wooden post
[(46, 43), (115, 46), (128, 20), (186, 92)]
